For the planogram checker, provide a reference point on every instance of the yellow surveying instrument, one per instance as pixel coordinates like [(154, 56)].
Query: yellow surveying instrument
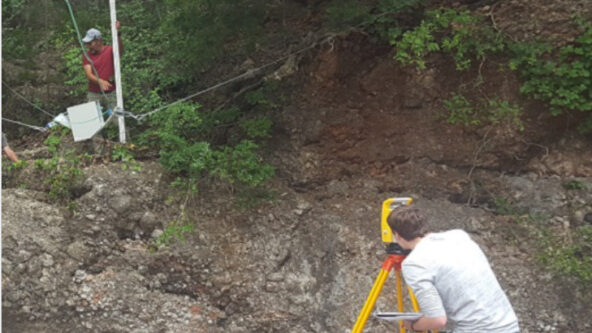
[(396, 255)]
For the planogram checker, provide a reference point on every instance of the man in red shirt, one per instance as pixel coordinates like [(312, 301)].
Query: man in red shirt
[(101, 57)]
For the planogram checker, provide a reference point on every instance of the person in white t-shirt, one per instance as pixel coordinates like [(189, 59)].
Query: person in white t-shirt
[(451, 279)]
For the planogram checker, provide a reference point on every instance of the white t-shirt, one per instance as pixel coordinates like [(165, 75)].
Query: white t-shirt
[(450, 275)]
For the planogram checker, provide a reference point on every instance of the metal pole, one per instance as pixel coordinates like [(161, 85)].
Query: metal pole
[(118, 91)]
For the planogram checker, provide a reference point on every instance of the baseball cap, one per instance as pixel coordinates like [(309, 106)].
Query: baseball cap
[(91, 35)]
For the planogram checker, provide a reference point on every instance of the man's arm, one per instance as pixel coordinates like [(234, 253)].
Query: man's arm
[(426, 323), (10, 153), (420, 279), (105, 85)]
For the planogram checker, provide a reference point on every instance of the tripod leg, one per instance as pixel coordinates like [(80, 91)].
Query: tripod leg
[(370, 301), (399, 286), (413, 300)]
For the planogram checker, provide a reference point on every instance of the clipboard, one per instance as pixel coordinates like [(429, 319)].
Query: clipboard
[(397, 316)]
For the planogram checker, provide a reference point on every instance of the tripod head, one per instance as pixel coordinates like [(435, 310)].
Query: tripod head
[(388, 206), (396, 249)]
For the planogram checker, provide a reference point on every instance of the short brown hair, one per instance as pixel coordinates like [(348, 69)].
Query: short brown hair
[(408, 222)]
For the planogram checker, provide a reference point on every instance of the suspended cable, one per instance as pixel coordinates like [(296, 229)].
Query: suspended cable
[(247, 74), (37, 128), (26, 100)]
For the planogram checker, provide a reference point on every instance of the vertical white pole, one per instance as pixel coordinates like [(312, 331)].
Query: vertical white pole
[(118, 91)]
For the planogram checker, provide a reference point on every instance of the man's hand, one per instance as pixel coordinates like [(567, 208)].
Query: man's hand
[(105, 85), (408, 324), (117, 25)]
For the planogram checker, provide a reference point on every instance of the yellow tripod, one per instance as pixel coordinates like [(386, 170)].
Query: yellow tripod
[(396, 255)]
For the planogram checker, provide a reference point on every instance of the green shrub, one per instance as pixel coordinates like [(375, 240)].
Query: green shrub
[(499, 111), (461, 111), (62, 173), (180, 133), (257, 128), (176, 230), (569, 256), (219, 118), (458, 32), (505, 206), (241, 163), (125, 154), (561, 77), (494, 112), (72, 58)]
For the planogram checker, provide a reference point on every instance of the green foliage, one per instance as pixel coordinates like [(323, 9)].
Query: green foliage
[(461, 111), (14, 166), (241, 163), (200, 31), (179, 135), (571, 256), (269, 96), (458, 32), (125, 154), (566, 252), (144, 73), (62, 172), (190, 160), (257, 128), (174, 132), (220, 118), (13, 45), (180, 121), (26, 25), (11, 9), (499, 111), (62, 176), (55, 138), (257, 97), (176, 230), (413, 46), (561, 77), (575, 185), (189, 186), (505, 206)]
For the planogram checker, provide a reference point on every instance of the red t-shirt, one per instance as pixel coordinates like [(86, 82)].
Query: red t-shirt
[(103, 62)]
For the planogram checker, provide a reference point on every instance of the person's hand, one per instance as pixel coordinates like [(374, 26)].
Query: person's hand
[(105, 85), (408, 324), (117, 25)]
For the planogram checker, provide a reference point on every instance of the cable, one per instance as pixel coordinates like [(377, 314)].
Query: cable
[(26, 100), (246, 74), (37, 128)]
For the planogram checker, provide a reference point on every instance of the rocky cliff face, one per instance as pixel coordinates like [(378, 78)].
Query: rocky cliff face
[(305, 263)]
